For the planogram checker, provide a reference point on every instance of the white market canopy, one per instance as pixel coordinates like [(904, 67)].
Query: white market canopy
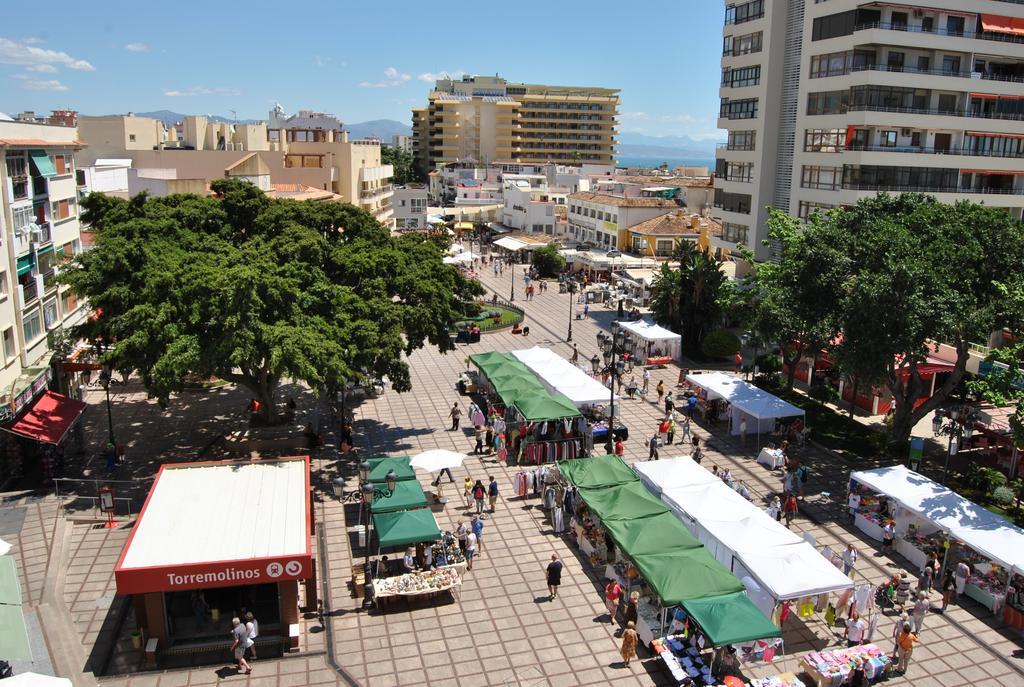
[(437, 459), (463, 258), (739, 534), (649, 331), (559, 375), (745, 399), (509, 243), (980, 529), (36, 680)]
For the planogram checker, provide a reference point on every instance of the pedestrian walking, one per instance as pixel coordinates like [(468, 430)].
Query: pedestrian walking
[(647, 380), (859, 677), (554, 576), (620, 448), (240, 643), (671, 433), (855, 628), (479, 432), (905, 647), (743, 431), (849, 559), (895, 634), (670, 403), (653, 444), (924, 581), (253, 628), (495, 269), (586, 310), (960, 576), (774, 509), (902, 590), (461, 532), (471, 542), (492, 492), (790, 509), (629, 642), (612, 594), (691, 405), (477, 527), (455, 414), (948, 587), (686, 428), (919, 610), (489, 438), (467, 491), (888, 535), (660, 389), (575, 355), (697, 453), (444, 471), (478, 496)]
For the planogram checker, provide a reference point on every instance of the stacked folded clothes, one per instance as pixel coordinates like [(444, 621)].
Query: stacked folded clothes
[(682, 661), (837, 665)]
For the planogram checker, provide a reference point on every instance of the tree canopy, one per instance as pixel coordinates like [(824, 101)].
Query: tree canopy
[(257, 290), (548, 261), (690, 299), (883, 282), (403, 162)]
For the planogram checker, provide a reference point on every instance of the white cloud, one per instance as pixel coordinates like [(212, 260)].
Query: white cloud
[(431, 77), (201, 90), (393, 78), (136, 47), (24, 54), (31, 84), (43, 69)]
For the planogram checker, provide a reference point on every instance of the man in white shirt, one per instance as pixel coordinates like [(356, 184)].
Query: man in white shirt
[(849, 559), (647, 379), (470, 549), (920, 609), (855, 631), (888, 535)]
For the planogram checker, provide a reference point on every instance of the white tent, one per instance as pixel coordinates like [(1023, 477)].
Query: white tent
[(982, 530), (652, 336), (791, 572), (659, 475), (437, 459), (509, 243), (558, 374), (463, 258), (36, 680), (760, 407), (4, 547)]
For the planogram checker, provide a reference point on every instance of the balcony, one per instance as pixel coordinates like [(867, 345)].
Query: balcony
[(939, 31), (49, 280), (29, 292), (1006, 116), (735, 146), (1011, 78), (881, 188), (21, 243), (952, 150), (374, 193)]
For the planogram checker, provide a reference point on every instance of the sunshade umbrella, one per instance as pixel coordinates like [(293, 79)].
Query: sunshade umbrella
[(36, 680), (4, 547), (437, 459)]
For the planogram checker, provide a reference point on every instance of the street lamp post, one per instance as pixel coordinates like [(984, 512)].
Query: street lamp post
[(615, 364), (369, 495), (105, 376), (571, 288)]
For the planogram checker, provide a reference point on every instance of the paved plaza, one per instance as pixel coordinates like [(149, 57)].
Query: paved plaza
[(501, 629)]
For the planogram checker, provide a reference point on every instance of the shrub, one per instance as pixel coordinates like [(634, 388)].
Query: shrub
[(1003, 496), (768, 363), (823, 393), (720, 343)]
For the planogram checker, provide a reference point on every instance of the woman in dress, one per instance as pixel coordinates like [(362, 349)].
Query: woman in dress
[(631, 612), (629, 642)]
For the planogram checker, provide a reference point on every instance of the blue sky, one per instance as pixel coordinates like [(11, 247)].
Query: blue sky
[(357, 60)]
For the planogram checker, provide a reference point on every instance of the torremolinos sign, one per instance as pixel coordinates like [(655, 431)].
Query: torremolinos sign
[(214, 574)]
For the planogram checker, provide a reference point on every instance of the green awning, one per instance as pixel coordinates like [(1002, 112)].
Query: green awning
[(681, 575), (379, 468), (599, 471), (43, 163), (10, 590), (539, 408), (650, 535), (730, 619), (25, 264), (405, 527), (14, 644), (408, 494), (624, 502)]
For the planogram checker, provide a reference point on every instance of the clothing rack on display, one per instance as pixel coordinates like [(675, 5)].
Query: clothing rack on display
[(537, 452)]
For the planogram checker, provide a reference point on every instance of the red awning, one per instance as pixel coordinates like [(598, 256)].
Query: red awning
[(927, 369), (998, 24), (49, 419)]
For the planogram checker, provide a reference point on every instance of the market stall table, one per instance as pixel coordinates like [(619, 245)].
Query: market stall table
[(772, 457), (825, 668), (422, 584)]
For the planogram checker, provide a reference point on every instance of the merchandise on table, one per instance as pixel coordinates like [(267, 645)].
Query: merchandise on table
[(682, 660), (411, 584), (783, 680), (446, 552), (835, 667)]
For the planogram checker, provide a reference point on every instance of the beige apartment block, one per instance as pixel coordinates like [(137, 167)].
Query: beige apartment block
[(487, 119), (601, 220), (829, 102), (40, 230)]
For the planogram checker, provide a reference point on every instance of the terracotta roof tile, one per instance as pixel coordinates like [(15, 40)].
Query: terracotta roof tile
[(619, 201)]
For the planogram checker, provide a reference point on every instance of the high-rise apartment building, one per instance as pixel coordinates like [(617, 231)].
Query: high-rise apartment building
[(487, 119), (832, 101)]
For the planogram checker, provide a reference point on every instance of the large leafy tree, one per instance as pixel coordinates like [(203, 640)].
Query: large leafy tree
[(916, 272), (256, 291), (792, 308), (690, 299), (548, 261), (403, 162)]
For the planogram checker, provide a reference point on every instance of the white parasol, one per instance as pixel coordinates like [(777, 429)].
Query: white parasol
[(437, 459), (462, 258), (36, 680)]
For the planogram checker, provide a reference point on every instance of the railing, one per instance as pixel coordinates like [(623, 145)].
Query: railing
[(730, 208), (30, 291), (1015, 117), (40, 187), (45, 233), (746, 114), (735, 146), (960, 150), (932, 189), (374, 192), (889, 26), (21, 243), (930, 72), (49, 280)]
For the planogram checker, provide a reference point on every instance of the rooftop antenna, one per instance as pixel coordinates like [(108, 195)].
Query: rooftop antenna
[(234, 116)]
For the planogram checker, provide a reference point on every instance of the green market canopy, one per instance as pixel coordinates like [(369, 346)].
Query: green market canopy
[(401, 528), (546, 406), (624, 502), (599, 471), (650, 535), (379, 468), (684, 574), (730, 619), (408, 494), (517, 385)]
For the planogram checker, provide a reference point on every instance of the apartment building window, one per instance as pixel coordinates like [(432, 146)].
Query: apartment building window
[(50, 313), (834, 25), (32, 326), (305, 161), (741, 140), (68, 303), (888, 98), (21, 217), (821, 178), (10, 347), (61, 163), (996, 146), (839, 63), (806, 209), (824, 140), (739, 171), (732, 202), (748, 11), (872, 177), (664, 248), (744, 76), (996, 107), (3, 286), (742, 45), (738, 109), (734, 233), (887, 139), (828, 102), (62, 209), (17, 172)]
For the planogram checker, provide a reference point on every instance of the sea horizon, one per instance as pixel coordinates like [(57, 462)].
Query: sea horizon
[(673, 162)]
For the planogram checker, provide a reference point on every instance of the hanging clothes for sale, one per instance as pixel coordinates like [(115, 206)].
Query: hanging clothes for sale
[(548, 499), (862, 599), (557, 521)]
